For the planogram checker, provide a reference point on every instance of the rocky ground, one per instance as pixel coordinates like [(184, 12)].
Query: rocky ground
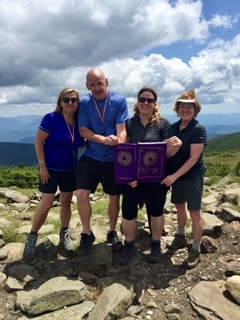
[(157, 287)]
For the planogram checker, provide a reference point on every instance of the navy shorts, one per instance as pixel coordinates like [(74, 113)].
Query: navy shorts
[(189, 191), (65, 180), (152, 194), (90, 172)]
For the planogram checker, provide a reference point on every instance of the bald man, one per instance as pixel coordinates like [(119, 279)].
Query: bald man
[(102, 122)]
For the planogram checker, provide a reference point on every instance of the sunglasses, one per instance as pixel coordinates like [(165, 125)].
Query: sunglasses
[(67, 100), (143, 100)]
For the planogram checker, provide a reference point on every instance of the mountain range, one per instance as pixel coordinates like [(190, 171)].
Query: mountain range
[(23, 129), (17, 136)]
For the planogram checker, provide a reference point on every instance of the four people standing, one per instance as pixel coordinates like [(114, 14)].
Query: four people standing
[(102, 122), (57, 144), (186, 176)]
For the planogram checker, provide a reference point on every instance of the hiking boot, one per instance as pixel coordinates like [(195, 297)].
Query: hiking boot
[(30, 247), (127, 253), (86, 242), (193, 259), (65, 242), (155, 255), (180, 241), (112, 238)]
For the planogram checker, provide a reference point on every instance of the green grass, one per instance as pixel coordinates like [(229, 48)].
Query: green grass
[(10, 235), (27, 192), (100, 207), (230, 158), (221, 165)]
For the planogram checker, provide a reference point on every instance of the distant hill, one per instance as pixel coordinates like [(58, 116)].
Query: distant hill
[(19, 128), (224, 143), (28, 140), (23, 129), (14, 154)]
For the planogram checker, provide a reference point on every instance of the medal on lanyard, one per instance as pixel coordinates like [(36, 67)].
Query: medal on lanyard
[(104, 131), (72, 137)]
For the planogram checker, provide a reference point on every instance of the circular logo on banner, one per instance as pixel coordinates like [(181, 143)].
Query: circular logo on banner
[(125, 158), (150, 158)]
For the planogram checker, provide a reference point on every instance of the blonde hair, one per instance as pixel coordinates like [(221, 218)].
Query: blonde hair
[(156, 115), (62, 94), (190, 95)]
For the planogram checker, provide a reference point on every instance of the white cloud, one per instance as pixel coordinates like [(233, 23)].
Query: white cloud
[(221, 21), (46, 46)]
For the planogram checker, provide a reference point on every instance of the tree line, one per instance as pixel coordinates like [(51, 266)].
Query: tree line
[(26, 177)]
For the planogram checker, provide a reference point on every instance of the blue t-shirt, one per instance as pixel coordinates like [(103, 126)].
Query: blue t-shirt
[(60, 151), (116, 113)]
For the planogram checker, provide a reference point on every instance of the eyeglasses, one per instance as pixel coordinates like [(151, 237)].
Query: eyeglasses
[(67, 100), (143, 100)]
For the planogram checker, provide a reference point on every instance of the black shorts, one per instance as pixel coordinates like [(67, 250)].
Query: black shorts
[(152, 194), (90, 172), (189, 191), (65, 180)]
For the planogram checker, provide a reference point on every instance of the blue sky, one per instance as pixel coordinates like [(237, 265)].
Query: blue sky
[(173, 46)]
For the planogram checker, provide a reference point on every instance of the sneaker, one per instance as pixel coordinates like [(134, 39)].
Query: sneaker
[(112, 238), (193, 259), (30, 248), (126, 255), (86, 242), (180, 241), (155, 255), (65, 242)]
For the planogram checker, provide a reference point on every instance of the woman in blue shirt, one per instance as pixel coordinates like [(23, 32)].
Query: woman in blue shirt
[(57, 144)]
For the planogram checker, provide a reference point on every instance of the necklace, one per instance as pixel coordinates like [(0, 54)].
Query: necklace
[(69, 129), (104, 109)]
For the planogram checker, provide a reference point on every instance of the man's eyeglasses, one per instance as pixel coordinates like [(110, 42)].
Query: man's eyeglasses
[(143, 100), (67, 100)]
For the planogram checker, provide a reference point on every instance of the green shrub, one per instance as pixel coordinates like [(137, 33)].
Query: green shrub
[(236, 169), (10, 235), (21, 176), (217, 169)]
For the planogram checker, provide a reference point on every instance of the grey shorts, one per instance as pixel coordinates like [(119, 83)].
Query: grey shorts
[(189, 191)]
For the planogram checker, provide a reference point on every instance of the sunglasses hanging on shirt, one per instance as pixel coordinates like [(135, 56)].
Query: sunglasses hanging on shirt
[(103, 132)]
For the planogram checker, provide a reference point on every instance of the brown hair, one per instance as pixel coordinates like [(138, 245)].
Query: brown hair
[(190, 95), (156, 116)]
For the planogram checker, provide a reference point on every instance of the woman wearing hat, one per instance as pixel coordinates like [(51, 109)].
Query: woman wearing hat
[(187, 171)]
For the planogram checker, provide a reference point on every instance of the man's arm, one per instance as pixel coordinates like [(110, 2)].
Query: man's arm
[(92, 136), (121, 133)]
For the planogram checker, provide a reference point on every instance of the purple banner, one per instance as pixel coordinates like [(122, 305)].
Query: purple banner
[(143, 162)]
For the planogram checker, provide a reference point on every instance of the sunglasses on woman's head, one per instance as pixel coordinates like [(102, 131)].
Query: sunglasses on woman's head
[(67, 100), (143, 100)]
